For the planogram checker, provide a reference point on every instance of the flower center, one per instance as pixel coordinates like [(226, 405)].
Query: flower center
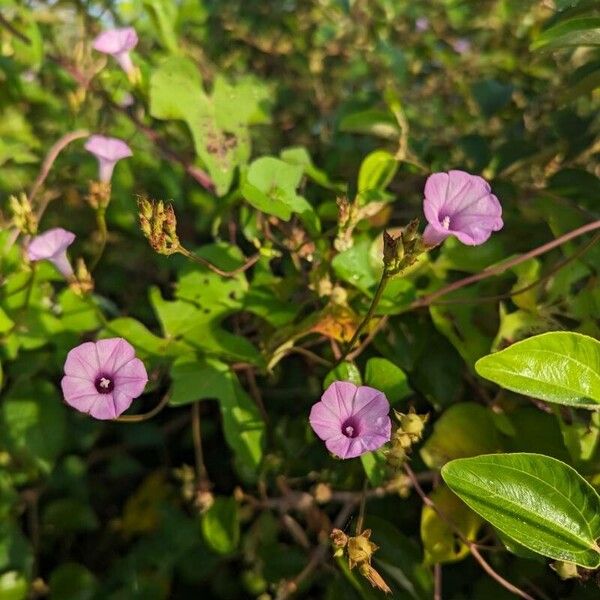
[(350, 428), (104, 384), (446, 222)]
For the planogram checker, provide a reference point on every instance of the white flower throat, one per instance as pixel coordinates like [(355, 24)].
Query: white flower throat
[(446, 222)]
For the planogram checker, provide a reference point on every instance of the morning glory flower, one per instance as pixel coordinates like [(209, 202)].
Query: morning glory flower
[(102, 378), (52, 245), (118, 43), (108, 151), (459, 204), (351, 420), (422, 24), (461, 45)]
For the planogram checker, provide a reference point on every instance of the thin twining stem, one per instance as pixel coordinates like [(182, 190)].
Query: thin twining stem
[(427, 501), (504, 266), (201, 472), (212, 267), (144, 416), (51, 157)]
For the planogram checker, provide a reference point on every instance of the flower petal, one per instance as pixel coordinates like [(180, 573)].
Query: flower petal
[(434, 235), (103, 407), (75, 387), (122, 401), (82, 362), (113, 353), (339, 399), (369, 403), (324, 423), (340, 446), (131, 378)]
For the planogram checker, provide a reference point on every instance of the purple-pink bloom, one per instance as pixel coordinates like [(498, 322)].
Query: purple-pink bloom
[(102, 378), (108, 151), (461, 45), (351, 420), (118, 43), (52, 245), (457, 203), (422, 24)]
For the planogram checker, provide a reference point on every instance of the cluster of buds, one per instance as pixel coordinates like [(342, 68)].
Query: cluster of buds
[(349, 215), (403, 251), (409, 432), (159, 225), (194, 492), (98, 194), (23, 217), (359, 549), (82, 283)]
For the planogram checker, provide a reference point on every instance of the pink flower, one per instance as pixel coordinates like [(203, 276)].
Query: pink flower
[(351, 420), (52, 245), (461, 45), (422, 24), (118, 43), (108, 151), (462, 205), (102, 378)]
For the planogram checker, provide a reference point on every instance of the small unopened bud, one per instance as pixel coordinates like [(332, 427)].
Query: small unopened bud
[(159, 225), (322, 493), (99, 194), (360, 548), (396, 456), (564, 569), (393, 249), (24, 218), (338, 538), (204, 500), (412, 424), (82, 283)]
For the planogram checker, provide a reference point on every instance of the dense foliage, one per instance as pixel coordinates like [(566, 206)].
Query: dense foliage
[(259, 242)]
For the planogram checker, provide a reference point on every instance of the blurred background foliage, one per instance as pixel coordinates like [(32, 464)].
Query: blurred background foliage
[(332, 90)]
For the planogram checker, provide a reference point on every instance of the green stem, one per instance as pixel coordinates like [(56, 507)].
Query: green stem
[(145, 416), (206, 263), (385, 277), (103, 230)]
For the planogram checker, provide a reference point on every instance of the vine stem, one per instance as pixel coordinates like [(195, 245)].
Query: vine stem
[(504, 266), (206, 263), (374, 303), (51, 157), (103, 230), (144, 416), (427, 501), (201, 472)]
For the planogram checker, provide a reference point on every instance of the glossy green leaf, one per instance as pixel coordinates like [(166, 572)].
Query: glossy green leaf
[(221, 525), (561, 367), (584, 31), (375, 466), (539, 501)]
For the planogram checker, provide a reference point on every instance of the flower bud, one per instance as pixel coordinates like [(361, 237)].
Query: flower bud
[(159, 225), (412, 424), (360, 549), (83, 283), (24, 218), (338, 538), (564, 569), (98, 194)]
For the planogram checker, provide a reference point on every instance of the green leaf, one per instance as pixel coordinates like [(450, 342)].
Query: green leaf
[(584, 31), (561, 367), (299, 156), (539, 501), (376, 171), (221, 525), (13, 586), (465, 429), (176, 92), (440, 541), (72, 581), (380, 123), (375, 466), (354, 266), (385, 376), (345, 371), (270, 186), (198, 379), (33, 423)]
